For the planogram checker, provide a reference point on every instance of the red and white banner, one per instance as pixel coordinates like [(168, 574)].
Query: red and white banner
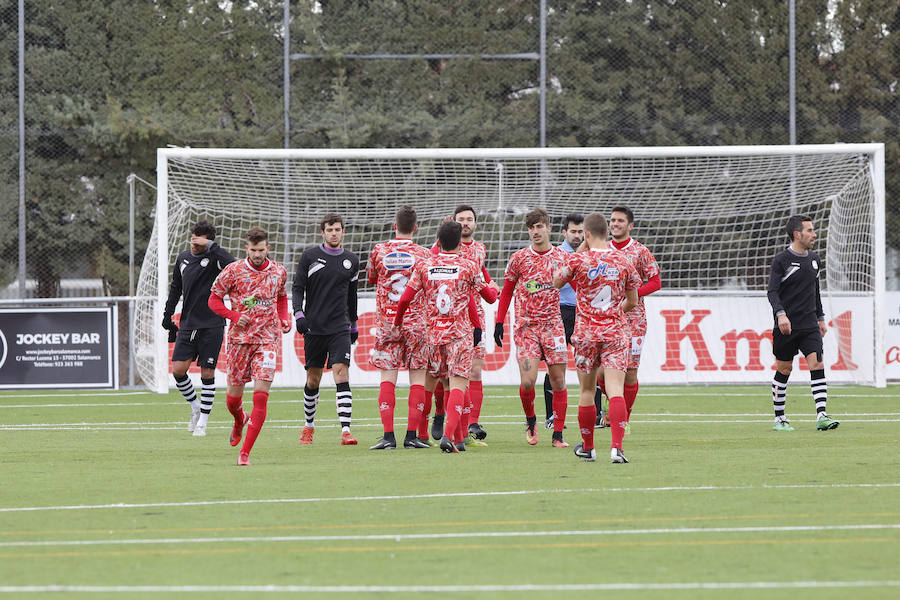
[(690, 339)]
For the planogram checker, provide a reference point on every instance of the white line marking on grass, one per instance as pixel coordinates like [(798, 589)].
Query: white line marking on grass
[(447, 495), (400, 537), (418, 589)]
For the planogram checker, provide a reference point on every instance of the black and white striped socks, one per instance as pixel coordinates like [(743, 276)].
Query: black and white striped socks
[(344, 399)]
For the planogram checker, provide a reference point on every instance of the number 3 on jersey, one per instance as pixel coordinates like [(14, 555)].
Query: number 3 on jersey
[(398, 285)]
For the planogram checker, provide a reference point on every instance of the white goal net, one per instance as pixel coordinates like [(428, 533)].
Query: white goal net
[(713, 217)]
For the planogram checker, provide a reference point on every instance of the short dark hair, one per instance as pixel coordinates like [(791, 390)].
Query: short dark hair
[(205, 228), (463, 208), (624, 210), (596, 224), (538, 215), (405, 219), (331, 219), (795, 223), (449, 235), (572, 218), (257, 235)]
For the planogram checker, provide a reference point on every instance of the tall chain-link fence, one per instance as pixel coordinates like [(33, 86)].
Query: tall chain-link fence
[(106, 83)]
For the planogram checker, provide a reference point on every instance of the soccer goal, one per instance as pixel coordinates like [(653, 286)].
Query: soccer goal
[(713, 217)]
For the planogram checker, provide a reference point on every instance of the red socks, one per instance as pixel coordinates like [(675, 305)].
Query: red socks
[(257, 418), (527, 398), (387, 399), (439, 398), (454, 408), (476, 393), (630, 396), (235, 407), (587, 417), (423, 423), (416, 407), (618, 416), (560, 402)]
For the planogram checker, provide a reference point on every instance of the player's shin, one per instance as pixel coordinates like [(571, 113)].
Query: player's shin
[(631, 391), (618, 416), (476, 393), (416, 407), (560, 403), (387, 399), (587, 415), (257, 418), (235, 407), (454, 408), (423, 423)]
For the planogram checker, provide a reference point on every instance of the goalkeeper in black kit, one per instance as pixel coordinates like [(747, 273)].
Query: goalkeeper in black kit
[(799, 320), (198, 335), (325, 307)]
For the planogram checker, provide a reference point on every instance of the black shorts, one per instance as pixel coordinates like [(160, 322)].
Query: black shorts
[(202, 344), (806, 341), (568, 317), (335, 347)]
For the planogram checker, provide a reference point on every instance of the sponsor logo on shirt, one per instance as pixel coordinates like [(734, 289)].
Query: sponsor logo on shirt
[(536, 286), (443, 273), (396, 261), (605, 270), (443, 324), (254, 301)]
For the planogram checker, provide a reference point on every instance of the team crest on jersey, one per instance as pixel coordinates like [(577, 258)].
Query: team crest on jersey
[(204, 262), (347, 264), (396, 261), (605, 270), (815, 265), (441, 273)]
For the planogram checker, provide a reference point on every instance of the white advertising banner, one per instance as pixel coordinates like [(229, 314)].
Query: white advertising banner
[(690, 339), (892, 335)]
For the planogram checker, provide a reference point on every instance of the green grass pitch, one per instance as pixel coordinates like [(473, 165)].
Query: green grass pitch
[(107, 492)]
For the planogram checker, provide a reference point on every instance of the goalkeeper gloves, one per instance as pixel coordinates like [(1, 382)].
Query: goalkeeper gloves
[(498, 335), (302, 325), (477, 336), (354, 334), (171, 327)]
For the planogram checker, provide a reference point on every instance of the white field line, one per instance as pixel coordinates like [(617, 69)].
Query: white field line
[(445, 495), (401, 537), (418, 589)]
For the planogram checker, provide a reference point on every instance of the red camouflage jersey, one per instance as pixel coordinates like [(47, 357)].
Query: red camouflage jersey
[(477, 253), (255, 293), (600, 279), (390, 267), (647, 268), (447, 280), (537, 301)]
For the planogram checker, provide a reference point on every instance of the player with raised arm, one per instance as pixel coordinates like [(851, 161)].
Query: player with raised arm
[(447, 280), (475, 251), (606, 285), (326, 279), (389, 268), (573, 235), (621, 222), (258, 314), (796, 301), (539, 331), (199, 333)]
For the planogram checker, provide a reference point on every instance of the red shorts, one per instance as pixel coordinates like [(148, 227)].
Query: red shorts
[(452, 358), (539, 341), (609, 354), (637, 345), (251, 361), (411, 351)]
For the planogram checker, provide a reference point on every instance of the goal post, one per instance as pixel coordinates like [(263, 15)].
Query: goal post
[(713, 217)]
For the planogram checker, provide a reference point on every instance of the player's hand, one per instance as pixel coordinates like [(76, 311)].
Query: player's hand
[(823, 328), (784, 325), (395, 333), (494, 285), (476, 336), (302, 325), (498, 335), (171, 327), (243, 321), (285, 325), (200, 241), (354, 334)]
